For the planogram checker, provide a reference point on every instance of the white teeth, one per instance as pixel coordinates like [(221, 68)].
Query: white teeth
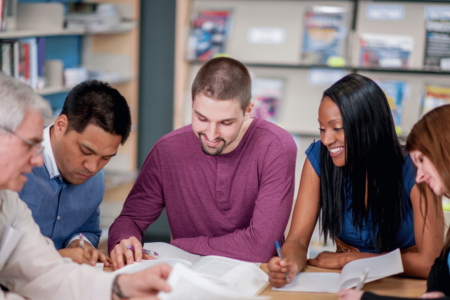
[(336, 150)]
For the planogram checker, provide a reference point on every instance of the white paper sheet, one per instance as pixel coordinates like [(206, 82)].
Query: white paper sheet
[(167, 251), (187, 284), (379, 267)]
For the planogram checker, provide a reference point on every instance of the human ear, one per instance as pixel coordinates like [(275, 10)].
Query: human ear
[(60, 126), (248, 111)]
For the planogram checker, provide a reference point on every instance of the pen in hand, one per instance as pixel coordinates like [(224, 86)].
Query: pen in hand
[(280, 255), (362, 279), (149, 252), (81, 241)]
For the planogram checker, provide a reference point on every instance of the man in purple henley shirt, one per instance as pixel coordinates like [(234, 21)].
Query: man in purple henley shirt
[(226, 181)]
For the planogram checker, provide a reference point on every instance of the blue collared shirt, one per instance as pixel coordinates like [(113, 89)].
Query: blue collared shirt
[(63, 210)]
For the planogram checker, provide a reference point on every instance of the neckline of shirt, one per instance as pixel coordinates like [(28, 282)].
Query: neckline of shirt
[(49, 157), (242, 141)]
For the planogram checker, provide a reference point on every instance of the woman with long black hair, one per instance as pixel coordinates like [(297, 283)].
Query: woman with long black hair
[(357, 179), (429, 146)]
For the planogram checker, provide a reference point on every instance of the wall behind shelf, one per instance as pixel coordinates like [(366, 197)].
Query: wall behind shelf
[(156, 88)]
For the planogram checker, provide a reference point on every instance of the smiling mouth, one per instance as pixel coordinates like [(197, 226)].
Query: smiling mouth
[(211, 144), (336, 151)]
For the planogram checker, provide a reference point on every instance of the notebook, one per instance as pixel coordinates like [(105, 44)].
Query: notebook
[(379, 267), (194, 274)]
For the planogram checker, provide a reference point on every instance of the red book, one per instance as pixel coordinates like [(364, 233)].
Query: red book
[(26, 54)]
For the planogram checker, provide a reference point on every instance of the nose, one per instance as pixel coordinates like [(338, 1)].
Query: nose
[(37, 160), (212, 133), (420, 175), (90, 165), (328, 138)]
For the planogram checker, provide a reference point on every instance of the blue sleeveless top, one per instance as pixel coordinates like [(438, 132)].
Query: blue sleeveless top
[(364, 239)]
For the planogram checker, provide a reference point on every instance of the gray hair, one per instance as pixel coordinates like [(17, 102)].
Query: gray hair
[(15, 99)]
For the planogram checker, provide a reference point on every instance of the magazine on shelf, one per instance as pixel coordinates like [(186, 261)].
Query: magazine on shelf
[(437, 49), (433, 97), (395, 93), (209, 33), (385, 51), (267, 94), (325, 34), (193, 275)]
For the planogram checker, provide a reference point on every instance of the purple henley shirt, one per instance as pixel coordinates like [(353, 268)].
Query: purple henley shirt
[(234, 205)]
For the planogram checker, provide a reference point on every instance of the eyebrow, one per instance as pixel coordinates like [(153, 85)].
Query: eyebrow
[(36, 140), (333, 121), (224, 120), (91, 150)]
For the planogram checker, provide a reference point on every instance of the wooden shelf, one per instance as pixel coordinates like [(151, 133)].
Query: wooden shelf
[(62, 89), (39, 32), (122, 28)]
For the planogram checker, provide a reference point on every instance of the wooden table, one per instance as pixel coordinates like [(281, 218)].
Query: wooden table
[(391, 286)]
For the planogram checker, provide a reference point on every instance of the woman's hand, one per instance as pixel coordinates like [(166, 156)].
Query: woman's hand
[(350, 294), (432, 295), (330, 260), (278, 268)]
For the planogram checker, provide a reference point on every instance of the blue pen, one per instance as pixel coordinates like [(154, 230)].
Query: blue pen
[(281, 256)]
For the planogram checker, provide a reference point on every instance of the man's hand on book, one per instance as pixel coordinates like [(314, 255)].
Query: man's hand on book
[(278, 268), (121, 255), (145, 284)]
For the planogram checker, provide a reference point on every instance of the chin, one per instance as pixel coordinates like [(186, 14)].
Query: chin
[(338, 162), (16, 186)]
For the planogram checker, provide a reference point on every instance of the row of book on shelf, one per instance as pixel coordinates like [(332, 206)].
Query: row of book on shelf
[(268, 94), (24, 59), (325, 39)]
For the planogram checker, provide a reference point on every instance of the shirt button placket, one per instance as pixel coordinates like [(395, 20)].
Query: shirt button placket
[(221, 195)]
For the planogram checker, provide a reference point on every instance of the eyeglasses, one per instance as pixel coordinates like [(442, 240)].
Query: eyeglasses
[(32, 145)]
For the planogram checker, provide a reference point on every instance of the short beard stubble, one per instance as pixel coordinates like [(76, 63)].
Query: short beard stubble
[(206, 149)]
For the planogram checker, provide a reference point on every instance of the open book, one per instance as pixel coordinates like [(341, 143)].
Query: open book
[(379, 267), (193, 274)]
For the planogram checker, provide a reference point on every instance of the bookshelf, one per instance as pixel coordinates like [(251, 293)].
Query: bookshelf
[(113, 51), (298, 110)]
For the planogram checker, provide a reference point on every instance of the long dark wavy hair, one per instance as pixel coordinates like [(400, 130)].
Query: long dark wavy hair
[(374, 164)]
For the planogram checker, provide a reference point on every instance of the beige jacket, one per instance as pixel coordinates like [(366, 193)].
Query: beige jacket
[(35, 270)]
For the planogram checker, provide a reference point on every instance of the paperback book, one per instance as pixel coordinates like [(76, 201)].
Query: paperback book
[(385, 51), (209, 33), (395, 93), (325, 33), (204, 277), (437, 49), (434, 96), (267, 95)]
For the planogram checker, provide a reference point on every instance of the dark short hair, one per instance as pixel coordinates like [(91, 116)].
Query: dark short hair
[(96, 102), (224, 78)]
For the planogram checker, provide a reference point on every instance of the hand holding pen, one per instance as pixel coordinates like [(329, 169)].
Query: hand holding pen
[(127, 251), (280, 255)]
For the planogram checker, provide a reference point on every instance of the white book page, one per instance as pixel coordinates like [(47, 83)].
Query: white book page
[(166, 251), (313, 282), (379, 267), (187, 284), (145, 264), (241, 276)]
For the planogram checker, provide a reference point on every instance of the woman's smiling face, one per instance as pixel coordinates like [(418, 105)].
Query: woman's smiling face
[(332, 130), (426, 172)]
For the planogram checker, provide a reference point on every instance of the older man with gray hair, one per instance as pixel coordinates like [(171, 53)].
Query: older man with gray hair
[(30, 266)]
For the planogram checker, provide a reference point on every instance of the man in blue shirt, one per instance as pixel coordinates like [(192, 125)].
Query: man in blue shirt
[(65, 193)]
